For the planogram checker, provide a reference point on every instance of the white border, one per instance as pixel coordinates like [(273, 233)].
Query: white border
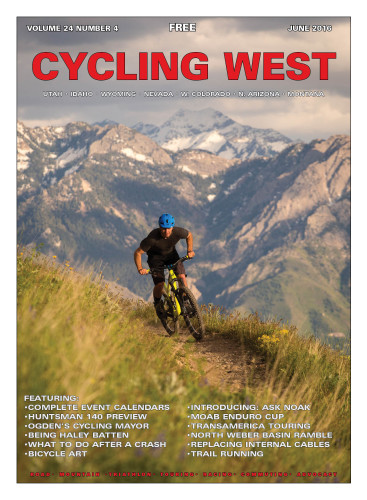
[(8, 206)]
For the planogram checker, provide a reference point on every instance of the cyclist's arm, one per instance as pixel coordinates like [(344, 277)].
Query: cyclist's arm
[(137, 258), (189, 242)]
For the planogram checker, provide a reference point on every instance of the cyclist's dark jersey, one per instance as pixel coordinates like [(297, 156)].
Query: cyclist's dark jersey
[(155, 244)]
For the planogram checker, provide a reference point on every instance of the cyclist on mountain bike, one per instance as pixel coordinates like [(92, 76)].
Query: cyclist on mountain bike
[(160, 248)]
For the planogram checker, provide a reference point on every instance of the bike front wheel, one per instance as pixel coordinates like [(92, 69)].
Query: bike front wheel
[(169, 316), (191, 313)]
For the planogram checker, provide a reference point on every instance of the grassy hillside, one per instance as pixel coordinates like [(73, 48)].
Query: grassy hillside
[(75, 338), (307, 290)]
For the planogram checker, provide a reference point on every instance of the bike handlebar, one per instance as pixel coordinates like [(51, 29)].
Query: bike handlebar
[(171, 266)]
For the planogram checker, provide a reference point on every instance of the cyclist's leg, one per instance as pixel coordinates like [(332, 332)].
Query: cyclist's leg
[(182, 277), (158, 288), (157, 295), (156, 264), (181, 273)]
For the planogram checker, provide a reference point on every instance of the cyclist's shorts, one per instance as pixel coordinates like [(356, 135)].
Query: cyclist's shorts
[(156, 263)]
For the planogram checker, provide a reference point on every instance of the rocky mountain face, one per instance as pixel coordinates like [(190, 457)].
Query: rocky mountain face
[(272, 234), (210, 130), (279, 234), (90, 194)]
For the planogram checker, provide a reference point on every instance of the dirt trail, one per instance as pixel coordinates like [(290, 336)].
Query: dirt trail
[(224, 360), (228, 365)]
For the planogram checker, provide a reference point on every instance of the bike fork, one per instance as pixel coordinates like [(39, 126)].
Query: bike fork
[(174, 287)]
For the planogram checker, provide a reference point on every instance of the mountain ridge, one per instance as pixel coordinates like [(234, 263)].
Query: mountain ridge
[(212, 131), (91, 193)]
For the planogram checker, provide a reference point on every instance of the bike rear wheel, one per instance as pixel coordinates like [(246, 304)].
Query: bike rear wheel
[(191, 313), (169, 317)]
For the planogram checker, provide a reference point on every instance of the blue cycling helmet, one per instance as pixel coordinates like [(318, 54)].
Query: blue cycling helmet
[(166, 221)]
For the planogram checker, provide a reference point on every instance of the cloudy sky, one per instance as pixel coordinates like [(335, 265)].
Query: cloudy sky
[(303, 118)]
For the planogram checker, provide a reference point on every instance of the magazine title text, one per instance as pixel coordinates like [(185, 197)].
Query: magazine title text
[(192, 66)]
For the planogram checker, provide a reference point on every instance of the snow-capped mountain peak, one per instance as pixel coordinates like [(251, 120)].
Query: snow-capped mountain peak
[(212, 131)]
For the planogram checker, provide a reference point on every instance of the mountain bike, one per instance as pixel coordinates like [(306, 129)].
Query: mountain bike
[(179, 301)]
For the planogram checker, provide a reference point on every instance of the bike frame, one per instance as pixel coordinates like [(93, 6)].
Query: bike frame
[(172, 299), (172, 283)]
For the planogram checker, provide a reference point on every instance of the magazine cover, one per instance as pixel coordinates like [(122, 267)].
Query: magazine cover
[(183, 250)]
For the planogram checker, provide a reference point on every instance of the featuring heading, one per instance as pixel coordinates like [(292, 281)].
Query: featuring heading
[(193, 66)]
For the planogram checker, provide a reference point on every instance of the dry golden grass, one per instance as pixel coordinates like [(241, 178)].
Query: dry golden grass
[(76, 339)]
